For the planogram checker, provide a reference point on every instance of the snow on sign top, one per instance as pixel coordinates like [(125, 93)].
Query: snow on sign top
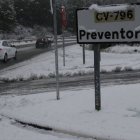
[(108, 7), (111, 23)]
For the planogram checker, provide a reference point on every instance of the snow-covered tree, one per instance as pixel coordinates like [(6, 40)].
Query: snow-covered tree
[(7, 15), (33, 12)]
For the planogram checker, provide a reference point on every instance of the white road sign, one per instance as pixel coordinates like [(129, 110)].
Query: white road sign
[(113, 23)]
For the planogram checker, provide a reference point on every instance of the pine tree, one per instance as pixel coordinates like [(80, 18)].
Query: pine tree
[(7, 15)]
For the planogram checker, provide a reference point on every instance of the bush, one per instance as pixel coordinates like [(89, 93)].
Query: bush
[(33, 77), (103, 71), (51, 75), (128, 69), (117, 69)]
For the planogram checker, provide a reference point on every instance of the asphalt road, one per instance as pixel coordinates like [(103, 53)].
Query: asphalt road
[(68, 83), (28, 53)]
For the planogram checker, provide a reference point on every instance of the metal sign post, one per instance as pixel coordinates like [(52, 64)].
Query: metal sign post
[(97, 77), (56, 50), (64, 24), (63, 49), (84, 61)]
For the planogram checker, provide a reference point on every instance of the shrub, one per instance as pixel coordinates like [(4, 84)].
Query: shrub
[(51, 75), (128, 69), (117, 69), (103, 71), (33, 77)]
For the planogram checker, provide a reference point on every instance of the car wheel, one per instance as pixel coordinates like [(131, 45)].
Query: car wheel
[(36, 45), (5, 58), (15, 57)]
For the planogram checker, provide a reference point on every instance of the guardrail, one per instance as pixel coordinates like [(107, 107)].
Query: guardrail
[(29, 42), (23, 43)]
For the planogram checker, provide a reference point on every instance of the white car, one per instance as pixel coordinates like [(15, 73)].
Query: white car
[(7, 51)]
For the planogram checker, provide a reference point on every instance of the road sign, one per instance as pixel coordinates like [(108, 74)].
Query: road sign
[(113, 23)]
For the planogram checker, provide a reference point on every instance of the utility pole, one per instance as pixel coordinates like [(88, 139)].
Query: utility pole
[(56, 50)]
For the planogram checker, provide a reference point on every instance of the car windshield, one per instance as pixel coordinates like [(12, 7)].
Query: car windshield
[(5, 43)]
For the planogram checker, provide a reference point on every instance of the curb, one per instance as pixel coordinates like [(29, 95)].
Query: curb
[(58, 130)]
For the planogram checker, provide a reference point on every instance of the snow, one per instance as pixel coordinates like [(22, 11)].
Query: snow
[(21, 43), (10, 131), (117, 56), (75, 112), (107, 8)]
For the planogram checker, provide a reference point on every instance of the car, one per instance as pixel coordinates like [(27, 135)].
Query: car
[(44, 42), (50, 38), (7, 51)]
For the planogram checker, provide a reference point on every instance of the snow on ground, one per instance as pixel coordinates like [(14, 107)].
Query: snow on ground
[(9, 130), (44, 64), (21, 43), (119, 118), (74, 112), (124, 49)]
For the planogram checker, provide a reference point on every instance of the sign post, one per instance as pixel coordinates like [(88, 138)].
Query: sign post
[(97, 77), (64, 24), (107, 24), (84, 57), (56, 50), (63, 49)]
